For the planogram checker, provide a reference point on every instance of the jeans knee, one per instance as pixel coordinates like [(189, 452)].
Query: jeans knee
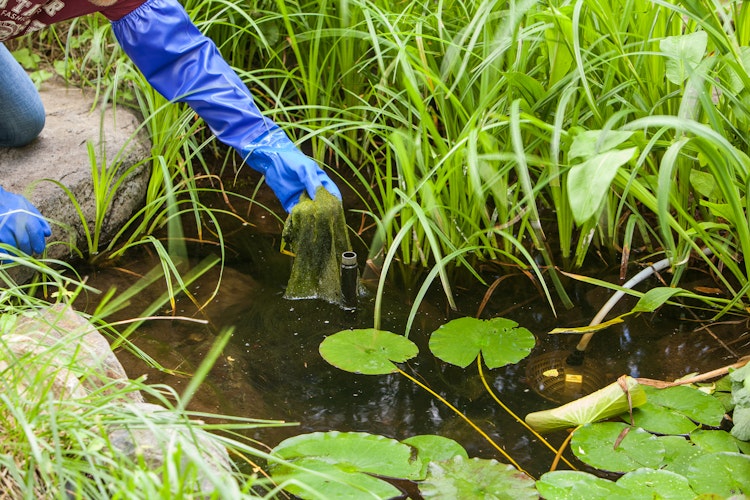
[(29, 126)]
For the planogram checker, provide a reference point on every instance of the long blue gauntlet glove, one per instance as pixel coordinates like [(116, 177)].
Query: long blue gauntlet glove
[(21, 224), (183, 65)]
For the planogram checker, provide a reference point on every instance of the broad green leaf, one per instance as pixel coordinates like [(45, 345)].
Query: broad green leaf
[(684, 54), (588, 182), (661, 484), (594, 444), (715, 441), (704, 184), (689, 401), (589, 143), (476, 478), (576, 485), (661, 420), (499, 340), (368, 351), (432, 448), (607, 402), (679, 453), (655, 298), (353, 451), (316, 478), (725, 474)]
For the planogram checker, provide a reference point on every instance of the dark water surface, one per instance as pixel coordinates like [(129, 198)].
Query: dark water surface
[(272, 368)]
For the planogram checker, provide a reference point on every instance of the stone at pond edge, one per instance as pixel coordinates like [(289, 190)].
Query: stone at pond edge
[(60, 155), (68, 359), (316, 232)]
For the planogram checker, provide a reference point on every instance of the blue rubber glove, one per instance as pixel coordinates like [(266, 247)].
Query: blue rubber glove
[(183, 65), (21, 224)]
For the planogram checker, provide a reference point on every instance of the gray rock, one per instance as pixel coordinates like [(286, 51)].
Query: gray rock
[(59, 158), (72, 349)]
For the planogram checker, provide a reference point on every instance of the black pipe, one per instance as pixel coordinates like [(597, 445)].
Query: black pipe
[(349, 280)]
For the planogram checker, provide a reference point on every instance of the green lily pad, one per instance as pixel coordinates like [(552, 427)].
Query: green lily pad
[(314, 478), (431, 448), (500, 341), (661, 420), (689, 401), (662, 484), (575, 485), (679, 454), (342, 465), (715, 441), (476, 478), (725, 474), (594, 444), (353, 451), (607, 402), (368, 351)]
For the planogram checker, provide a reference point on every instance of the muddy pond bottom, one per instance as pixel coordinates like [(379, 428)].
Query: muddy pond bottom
[(271, 368)]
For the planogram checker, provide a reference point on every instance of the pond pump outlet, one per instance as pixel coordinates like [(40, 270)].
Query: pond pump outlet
[(349, 280)]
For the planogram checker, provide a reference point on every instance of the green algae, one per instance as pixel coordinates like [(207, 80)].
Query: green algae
[(316, 232)]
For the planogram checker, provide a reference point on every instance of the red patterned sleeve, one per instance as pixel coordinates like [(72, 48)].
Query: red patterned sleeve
[(121, 9)]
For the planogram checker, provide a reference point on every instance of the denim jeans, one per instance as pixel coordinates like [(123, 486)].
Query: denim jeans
[(21, 109)]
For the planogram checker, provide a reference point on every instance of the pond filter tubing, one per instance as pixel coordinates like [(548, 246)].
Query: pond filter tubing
[(349, 280)]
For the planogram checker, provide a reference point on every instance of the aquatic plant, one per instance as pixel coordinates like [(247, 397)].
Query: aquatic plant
[(671, 440)]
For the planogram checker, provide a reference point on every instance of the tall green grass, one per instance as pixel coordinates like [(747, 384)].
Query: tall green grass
[(527, 133)]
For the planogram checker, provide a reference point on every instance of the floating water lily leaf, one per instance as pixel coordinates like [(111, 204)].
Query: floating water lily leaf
[(689, 401), (607, 402), (679, 453), (715, 441), (500, 341), (725, 474), (476, 478), (574, 485), (594, 444), (432, 448), (650, 483), (314, 478), (368, 351), (348, 460), (661, 420)]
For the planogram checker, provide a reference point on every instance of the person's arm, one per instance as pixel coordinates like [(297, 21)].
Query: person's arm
[(184, 65)]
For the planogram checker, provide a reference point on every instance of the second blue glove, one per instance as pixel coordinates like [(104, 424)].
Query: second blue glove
[(21, 224)]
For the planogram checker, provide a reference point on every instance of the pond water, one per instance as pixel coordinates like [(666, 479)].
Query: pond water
[(272, 369)]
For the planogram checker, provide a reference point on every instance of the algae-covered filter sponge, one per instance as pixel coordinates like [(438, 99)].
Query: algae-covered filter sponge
[(316, 232)]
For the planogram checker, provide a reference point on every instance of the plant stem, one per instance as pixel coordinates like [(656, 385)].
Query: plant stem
[(467, 420), (558, 453)]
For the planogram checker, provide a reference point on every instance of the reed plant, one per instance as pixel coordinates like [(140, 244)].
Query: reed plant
[(532, 134)]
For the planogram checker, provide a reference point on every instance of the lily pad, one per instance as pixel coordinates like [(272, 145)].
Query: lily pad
[(679, 454), (724, 474), (715, 441), (689, 401), (661, 420), (314, 478), (595, 445), (368, 351), (343, 465), (476, 478), (500, 341), (431, 448), (662, 484), (574, 485), (607, 402)]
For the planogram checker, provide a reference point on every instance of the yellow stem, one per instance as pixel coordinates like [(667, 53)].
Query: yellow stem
[(467, 419), (519, 420), (558, 456)]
